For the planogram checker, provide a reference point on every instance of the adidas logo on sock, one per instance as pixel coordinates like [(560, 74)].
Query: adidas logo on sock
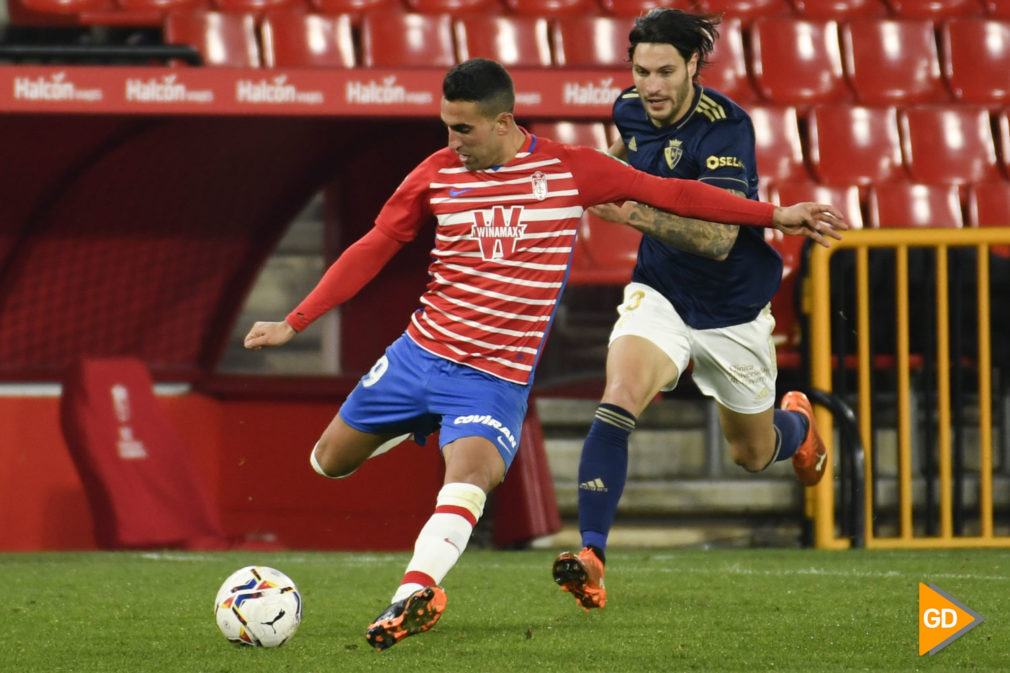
[(596, 485)]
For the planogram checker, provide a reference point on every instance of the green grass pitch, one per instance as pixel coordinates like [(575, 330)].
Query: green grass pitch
[(669, 610)]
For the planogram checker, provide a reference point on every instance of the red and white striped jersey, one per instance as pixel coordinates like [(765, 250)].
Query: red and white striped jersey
[(504, 239)]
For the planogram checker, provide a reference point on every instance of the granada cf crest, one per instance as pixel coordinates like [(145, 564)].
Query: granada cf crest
[(673, 152), (498, 231), (539, 186)]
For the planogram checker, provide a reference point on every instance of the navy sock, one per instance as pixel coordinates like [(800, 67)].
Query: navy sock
[(603, 470), (791, 428)]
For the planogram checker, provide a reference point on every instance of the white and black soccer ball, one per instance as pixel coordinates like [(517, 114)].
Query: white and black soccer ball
[(258, 606)]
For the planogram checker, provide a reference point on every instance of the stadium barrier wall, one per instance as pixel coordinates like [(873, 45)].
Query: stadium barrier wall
[(250, 444), (253, 458), (824, 369)]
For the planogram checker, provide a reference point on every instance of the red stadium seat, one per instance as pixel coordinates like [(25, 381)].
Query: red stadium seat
[(610, 248), (456, 7), (787, 333), (581, 271), (797, 61), (726, 70), (934, 9), (854, 144), (893, 61), (590, 41), (989, 206), (257, 5), (976, 59), (777, 143), (553, 8), (843, 197), (356, 8), (590, 134), (839, 10), (294, 39), (1003, 126), (62, 7), (605, 252), (137, 12), (222, 38), (745, 9), (512, 40), (159, 6), (948, 144), (997, 9), (912, 204), (402, 39), (632, 8)]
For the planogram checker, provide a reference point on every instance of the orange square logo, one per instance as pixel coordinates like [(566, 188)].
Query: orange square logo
[(942, 619)]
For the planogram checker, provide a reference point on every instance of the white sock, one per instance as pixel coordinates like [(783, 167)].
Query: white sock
[(443, 538)]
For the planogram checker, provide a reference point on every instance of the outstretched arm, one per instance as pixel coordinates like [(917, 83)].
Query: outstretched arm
[(603, 182), (704, 238), (712, 240), (604, 179), (345, 277)]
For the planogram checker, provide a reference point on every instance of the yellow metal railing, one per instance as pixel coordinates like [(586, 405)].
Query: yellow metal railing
[(821, 499)]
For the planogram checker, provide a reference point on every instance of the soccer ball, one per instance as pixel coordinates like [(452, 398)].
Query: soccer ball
[(258, 606)]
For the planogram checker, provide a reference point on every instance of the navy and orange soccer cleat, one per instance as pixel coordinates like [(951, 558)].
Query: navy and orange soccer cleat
[(582, 576), (810, 459), (414, 614)]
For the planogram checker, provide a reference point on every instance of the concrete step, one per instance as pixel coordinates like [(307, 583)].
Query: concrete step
[(696, 497), (661, 454), (677, 467), (712, 533), (286, 277), (561, 414)]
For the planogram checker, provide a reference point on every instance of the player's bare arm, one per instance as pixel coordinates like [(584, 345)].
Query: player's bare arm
[(818, 221), (268, 334), (712, 240)]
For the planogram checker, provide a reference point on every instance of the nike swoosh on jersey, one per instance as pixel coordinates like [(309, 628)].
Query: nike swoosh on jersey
[(459, 192)]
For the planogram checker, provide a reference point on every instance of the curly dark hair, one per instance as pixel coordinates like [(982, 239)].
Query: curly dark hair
[(688, 33)]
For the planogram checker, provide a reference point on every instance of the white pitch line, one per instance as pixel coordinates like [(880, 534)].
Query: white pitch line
[(739, 570), (351, 559)]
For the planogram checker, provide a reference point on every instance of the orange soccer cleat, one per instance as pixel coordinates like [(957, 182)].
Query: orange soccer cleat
[(581, 576), (416, 613), (810, 459)]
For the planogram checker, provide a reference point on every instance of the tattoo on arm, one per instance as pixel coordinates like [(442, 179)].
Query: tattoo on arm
[(706, 239)]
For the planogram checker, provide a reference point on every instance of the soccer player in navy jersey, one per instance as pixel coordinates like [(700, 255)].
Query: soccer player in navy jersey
[(699, 293), (506, 205)]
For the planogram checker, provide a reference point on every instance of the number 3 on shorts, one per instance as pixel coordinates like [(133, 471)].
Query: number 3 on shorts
[(376, 372), (634, 300), (631, 302)]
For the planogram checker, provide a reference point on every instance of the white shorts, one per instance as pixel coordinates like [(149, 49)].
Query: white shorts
[(734, 365)]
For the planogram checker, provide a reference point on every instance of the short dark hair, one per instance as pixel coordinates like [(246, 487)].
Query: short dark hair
[(688, 33), (482, 81)]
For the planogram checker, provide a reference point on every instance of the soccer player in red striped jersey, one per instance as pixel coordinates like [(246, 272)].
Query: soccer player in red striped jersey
[(506, 206)]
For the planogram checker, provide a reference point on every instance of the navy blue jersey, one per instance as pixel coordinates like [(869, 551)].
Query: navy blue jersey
[(713, 143)]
